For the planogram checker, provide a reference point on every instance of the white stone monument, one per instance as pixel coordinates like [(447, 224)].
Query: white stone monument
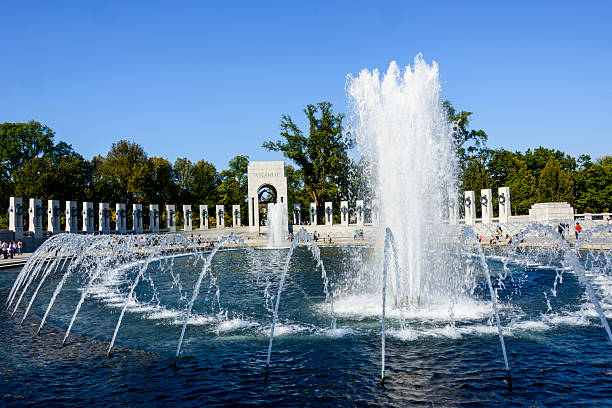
[(121, 218), (344, 213), (203, 217), (297, 214), (452, 208), (313, 214), (170, 217), (35, 217), (265, 174), (16, 211), (503, 197), (486, 203), (104, 216), (556, 211), (187, 219), (329, 213), (72, 220), (469, 201), (154, 217), (54, 213), (88, 216), (359, 210), (137, 218), (236, 216), (220, 214)]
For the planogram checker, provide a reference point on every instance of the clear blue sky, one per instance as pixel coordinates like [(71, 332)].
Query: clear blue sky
[(210, 80)]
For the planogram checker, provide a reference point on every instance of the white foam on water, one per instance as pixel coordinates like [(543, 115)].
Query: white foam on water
[(285, 329), (339, 332), (368, 306), (234, 324)]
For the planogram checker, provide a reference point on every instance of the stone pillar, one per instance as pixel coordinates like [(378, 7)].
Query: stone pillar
[(120, 218), (469, 201), (297, 214), (53, 216), (170, 217), (236, 222), (16, 211), (313, 214), (203, 217), (360, 212), (329, 213), (486, 201), (187, 221), (35, 213), (137, 218), (220, 214), (344, 213), (104, 215), (154, 217), (72, 219), (503, 196), (375, 212), (88, 217)]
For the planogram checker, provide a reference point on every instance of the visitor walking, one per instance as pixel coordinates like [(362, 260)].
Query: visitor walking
[(578, 229), (4, 249), (19, 247)]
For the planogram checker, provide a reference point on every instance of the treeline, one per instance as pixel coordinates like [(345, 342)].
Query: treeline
[(34, 164), (538, 175)]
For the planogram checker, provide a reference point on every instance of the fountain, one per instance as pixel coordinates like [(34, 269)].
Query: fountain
[(277, 222), (427, 308)]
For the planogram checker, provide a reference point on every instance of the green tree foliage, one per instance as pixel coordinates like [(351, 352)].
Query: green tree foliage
[(204, 182), (234, 186), (322, 156), (468, 143), (121, 175), (159, 187)]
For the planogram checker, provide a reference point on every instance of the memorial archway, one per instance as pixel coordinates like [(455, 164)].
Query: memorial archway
[(267, 184)]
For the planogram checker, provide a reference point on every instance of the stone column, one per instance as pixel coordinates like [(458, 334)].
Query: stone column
[(104, 215), (53, 216), (121, 218), (187, 222), (154, 216), (236, 216), (203, 217), (360, 212), (88, 217), (313, 214), (297, 214), (503, 196), (35, 213), (170, 217), (220, 214), (137, 218), (469, 201), (486, 201), (16, 211), (329, 213), (72, 220), (375, 212), (344, 213)]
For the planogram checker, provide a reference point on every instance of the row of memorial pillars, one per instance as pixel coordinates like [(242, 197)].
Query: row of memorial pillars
[(346, 212), (35, 212), (486, 205)]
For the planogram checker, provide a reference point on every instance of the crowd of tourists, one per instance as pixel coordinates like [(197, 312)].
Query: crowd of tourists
[(11, 248)]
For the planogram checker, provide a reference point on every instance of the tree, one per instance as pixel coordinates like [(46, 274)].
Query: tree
[(467, 142), (595, 183), (122, 173), (20, 142), (523, 187), (182, 172), (159, 187), (322, 156), (554, 184), (204, 182)]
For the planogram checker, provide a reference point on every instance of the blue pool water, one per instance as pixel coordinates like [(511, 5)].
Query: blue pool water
[(558, 357)]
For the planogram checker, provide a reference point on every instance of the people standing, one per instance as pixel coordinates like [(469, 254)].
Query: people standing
[(19, 247), (578, 229)]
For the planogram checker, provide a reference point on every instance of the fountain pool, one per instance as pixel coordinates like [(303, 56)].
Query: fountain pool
[(443, 354)]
